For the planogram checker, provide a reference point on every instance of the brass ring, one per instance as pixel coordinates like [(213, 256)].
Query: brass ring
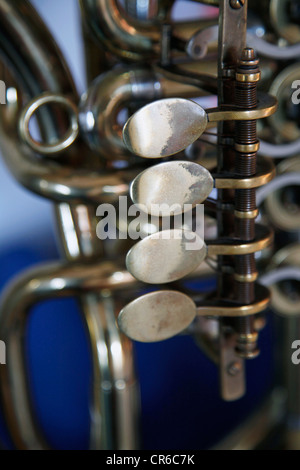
[(247, 214), (246, 277), (246, 148), (32, 107)]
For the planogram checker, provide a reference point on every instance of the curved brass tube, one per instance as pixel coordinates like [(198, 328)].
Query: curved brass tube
[(94, 285), (58, 280), (38, 64), (129, 38), (123, 36), (51, 180)]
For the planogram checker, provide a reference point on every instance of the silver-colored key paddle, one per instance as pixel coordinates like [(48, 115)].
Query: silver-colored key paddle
[(169, 185), (157, 316), (167, 126), (166, 256)]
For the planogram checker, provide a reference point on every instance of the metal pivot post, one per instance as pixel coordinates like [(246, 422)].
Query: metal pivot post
[(232, 17)]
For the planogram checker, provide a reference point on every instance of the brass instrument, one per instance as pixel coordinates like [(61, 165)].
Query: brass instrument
[(148, 75)]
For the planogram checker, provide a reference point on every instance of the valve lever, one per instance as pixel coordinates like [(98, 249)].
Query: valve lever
[(167, 126)]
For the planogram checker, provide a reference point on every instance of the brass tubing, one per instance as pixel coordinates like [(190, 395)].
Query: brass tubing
[(38, 65), (52, 180), (46, 282), (123, 36), (130, 39), (115, 412), (76, 224)]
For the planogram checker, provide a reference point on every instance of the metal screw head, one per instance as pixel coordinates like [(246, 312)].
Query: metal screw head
[(248, 53), (236, 4), (234, 368)]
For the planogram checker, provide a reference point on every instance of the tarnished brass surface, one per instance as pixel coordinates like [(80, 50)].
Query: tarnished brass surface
[(130, 39), (42, 68), (32, 107), (246, 214), (163, 314), (282, 22)]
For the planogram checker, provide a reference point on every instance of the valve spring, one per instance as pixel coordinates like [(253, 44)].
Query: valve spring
[(245, 264), (246, 95), (245, 325), (246, 132), (245, 292), (245, 199), (246, 228), (246, 164)]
